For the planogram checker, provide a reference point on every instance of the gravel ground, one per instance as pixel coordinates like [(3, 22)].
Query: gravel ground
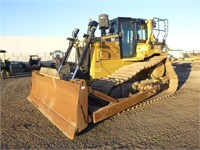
[(170, 123)]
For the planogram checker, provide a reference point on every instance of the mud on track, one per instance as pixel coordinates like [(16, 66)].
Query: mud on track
[(170, 123)]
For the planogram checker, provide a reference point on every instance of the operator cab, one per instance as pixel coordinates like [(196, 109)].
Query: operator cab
[(131, 31)]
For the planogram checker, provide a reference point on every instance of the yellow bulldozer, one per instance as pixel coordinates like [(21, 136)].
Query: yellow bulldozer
[(127, 64)]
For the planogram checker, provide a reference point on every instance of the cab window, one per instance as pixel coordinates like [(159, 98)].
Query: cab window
[(127, 39), (142, 32)]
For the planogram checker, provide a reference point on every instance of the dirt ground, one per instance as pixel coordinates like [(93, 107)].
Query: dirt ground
[(170, 123)]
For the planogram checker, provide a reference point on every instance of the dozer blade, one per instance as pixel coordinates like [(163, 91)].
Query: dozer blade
[(64, 103)]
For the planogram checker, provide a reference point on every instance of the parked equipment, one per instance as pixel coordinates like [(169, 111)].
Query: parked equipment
[(125, 66), (5, 66), (34, 63), (191, 56), (57, 57)]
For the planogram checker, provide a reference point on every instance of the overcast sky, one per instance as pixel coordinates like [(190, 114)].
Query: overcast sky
[(59, 17)]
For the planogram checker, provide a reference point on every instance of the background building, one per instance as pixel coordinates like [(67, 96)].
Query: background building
[(20, 47)]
